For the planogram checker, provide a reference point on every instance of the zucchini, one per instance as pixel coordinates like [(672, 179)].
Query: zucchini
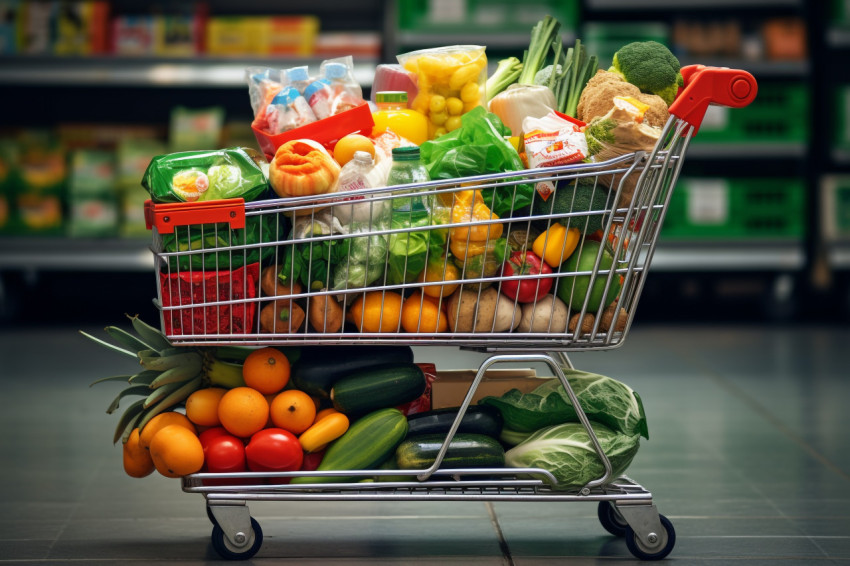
[(364, 446), (465, 451), (319, 367), (478, 419), (377, 387)]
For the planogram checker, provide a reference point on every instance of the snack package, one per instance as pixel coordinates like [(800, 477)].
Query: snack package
[(451, 82), (621, 131), (263, 85), (555, 139), (345, 92), (192, 176)]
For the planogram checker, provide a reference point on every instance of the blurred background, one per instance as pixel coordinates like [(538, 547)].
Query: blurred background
[(758, 229)]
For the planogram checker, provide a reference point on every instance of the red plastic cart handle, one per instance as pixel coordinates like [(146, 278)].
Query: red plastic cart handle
[(165, 216), (712, 85)]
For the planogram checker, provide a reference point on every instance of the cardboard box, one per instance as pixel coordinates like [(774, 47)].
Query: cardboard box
[(450, 387)]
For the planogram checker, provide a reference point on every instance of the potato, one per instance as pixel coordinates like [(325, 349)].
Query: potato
[(272, 287), (537, 316), (488, 312), (325, 314), (586, 323), (608, 318), (279, 318)]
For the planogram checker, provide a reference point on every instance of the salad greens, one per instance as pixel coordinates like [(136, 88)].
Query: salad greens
[(603, 399), (567, 452)]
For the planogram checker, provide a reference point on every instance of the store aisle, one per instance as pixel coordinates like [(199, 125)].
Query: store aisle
[(748, 458)]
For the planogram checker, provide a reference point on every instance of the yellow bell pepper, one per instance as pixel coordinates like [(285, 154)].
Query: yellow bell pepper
[(556, 244), (469, 207)]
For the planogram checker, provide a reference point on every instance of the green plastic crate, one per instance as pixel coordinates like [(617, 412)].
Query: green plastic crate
[(483, 16), (708, 208), (779, 114), (605, 38)]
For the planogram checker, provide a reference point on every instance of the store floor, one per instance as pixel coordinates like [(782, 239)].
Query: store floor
[(749, 457)]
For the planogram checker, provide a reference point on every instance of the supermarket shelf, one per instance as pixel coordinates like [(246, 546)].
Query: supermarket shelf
[(759, 68), (56, 253), (838, 37), (838, 255), (691, 4), (746, 150), (841, 155), (728, 256), (143, 72), (493, 40)]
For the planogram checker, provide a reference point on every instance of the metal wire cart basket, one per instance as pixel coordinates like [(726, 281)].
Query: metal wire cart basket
[(352, 266)]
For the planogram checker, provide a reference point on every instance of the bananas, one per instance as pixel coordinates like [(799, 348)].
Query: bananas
[(168, 375)]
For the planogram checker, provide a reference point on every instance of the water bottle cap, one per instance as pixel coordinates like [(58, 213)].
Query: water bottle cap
[(391, 96), (335, 70), (363, 156), (297, 74), (406, 153), (286, 96), (315, 87)]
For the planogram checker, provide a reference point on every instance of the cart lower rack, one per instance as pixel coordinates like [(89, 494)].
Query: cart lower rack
[(427, 265)]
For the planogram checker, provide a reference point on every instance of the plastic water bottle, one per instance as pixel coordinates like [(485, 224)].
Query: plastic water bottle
[(353, 177)]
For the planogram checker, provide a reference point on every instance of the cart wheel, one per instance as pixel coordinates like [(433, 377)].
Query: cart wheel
[(659, 550), (227, 551), (611, 519)]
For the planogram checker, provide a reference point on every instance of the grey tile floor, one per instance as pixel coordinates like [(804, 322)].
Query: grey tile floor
[(749, 457)]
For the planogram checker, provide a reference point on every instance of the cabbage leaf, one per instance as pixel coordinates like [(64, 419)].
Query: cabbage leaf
[(604, 400), (565, 450)]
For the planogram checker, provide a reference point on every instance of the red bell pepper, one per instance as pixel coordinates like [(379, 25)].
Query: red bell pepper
[(525, 290)]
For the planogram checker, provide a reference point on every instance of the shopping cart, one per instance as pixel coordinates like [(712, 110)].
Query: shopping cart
[(211, 257)]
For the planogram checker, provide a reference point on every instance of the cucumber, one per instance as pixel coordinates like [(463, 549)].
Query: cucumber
[(364, 446), (465, 451), (319, 367), (478, 419), (377, 387)]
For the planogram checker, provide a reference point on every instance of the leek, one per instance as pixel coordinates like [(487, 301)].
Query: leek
[(543, 34), (507, 72)]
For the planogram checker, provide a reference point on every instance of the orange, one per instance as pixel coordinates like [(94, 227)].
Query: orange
[(420, 314), (293, 410), (376, 311), (243, 411), (266, 370), (202, 406), (137, 460), (439, 270), (347, 145), (176, 452), (160, 421)]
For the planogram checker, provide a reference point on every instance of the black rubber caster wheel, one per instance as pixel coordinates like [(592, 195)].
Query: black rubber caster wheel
[(227, 551), (611, 520), (657, 551)]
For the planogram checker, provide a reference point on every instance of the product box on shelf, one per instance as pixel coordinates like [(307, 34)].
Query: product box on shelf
[(92, 198), (451, 386)]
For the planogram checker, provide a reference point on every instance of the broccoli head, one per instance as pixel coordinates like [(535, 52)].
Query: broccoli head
[(651, 67)]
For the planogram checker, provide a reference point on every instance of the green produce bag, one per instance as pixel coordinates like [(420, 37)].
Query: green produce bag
[(479, 147), (258, 229), (196, 176)]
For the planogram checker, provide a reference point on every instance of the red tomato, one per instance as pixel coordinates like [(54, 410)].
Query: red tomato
[(274, 450), (224, 453), (211, 433), (525, 290), (312, 461)]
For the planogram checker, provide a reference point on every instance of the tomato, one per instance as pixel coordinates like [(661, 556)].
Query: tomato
[(525, 290), (312, 461), (224, 453), (274, 450), (211, 433)]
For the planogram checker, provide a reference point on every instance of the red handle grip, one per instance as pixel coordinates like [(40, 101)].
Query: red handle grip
[(712, 85), (165, 216)]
